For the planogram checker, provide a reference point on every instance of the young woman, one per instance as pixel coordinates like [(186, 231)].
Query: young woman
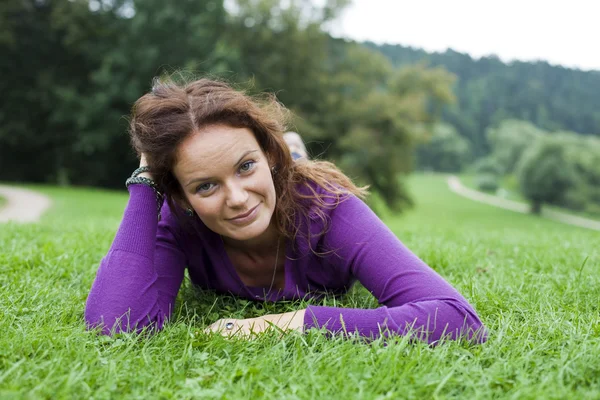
[(244, 218)]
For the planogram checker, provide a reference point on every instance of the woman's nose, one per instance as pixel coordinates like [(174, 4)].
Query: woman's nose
[(237, 196)]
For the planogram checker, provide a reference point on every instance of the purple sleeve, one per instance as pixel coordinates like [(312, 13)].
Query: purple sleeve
[(138, 280), (415, 299)]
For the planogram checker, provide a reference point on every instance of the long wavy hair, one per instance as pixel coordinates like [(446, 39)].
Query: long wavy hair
[(162, 119)]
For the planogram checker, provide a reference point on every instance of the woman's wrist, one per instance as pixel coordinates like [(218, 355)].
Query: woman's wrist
[(146, 175), (293, 320), (142, 176), (143, 171)]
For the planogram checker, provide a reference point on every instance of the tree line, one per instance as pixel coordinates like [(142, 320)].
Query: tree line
[(71, 70), (489, 91)]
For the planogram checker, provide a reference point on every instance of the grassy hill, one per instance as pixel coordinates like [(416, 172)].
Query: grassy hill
[(534, 282)]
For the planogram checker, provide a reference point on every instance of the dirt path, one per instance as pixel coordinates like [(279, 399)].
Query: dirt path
[(22, 205), (457, 187)]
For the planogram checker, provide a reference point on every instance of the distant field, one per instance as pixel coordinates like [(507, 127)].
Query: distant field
[(511, 192), (534, 282)]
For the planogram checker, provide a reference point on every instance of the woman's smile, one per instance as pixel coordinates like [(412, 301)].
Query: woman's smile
[(245, 218)]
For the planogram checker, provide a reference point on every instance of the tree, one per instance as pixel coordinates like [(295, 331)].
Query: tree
[(544, 173), (509, 140), (349, 103), (489, 91), (73, 68), (382, 119), (444, 151), (152, 39)]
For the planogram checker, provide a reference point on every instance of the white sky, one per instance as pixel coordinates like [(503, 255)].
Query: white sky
[(558, 31)]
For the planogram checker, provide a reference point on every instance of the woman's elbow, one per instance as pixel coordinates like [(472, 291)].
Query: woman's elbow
[(112, 322), (475, 331), (447, 319), (463, 323)]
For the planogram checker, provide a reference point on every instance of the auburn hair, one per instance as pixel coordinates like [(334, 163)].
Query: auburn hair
[(163, 118)]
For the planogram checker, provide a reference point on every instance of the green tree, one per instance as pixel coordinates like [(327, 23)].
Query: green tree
[(349, 102), (583, 153), (509, 140), (544, 173), (444, 151), (153, 38), (73, 68), (489, 91), (383, 117)]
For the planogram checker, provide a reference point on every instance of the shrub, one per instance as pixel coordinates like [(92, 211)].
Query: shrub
[(487, 182), (487, 166), (573, 200), (544, 172)]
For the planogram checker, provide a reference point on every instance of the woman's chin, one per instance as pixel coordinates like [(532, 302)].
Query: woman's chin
[(249, 232)]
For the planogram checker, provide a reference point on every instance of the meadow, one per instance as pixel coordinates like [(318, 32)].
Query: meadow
[(534, 282)]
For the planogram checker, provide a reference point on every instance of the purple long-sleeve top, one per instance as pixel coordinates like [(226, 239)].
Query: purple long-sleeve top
[(138, 280)]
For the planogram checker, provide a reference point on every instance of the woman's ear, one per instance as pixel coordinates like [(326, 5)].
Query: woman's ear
[(181, 201), (185, 206)]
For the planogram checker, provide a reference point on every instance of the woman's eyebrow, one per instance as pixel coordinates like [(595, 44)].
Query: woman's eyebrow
[(199, 179), (245, 155)]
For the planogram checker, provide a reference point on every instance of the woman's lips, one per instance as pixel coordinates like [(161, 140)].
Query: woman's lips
[(246, 217)]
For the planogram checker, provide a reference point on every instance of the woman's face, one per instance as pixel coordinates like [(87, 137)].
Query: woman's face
[(226, 178)]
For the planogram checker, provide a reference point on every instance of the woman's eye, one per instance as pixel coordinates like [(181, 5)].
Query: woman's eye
[(247, 166), (205, 187)]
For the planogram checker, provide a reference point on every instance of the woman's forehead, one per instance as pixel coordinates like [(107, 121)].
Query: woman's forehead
[(214, 148)]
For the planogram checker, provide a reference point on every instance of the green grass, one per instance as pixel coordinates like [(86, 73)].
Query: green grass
[(534, 282), (2, 201)]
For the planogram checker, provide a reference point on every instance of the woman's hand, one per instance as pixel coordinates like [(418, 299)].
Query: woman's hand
[(246, 328), (143, 163)]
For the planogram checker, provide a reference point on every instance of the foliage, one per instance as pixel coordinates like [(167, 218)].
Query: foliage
[(487, 182), (509, 140), (98, 57), (489, 91), (488, 165), (488, 172), (444, 151), (544, 173), (580, 158), (573, 199)]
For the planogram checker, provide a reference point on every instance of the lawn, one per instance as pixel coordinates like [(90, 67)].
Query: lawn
[(534, 282)]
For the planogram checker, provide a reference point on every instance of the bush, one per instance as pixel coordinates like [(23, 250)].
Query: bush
[(573, 200), (593, 209), (487, 182), (594, 195), (446, 150), (487, 166), (544, 173)]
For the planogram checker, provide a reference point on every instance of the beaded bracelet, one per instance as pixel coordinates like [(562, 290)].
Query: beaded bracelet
[(140, 180), (140, 170)]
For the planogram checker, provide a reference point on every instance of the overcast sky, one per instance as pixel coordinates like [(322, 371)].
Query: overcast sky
[(558, 31)]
